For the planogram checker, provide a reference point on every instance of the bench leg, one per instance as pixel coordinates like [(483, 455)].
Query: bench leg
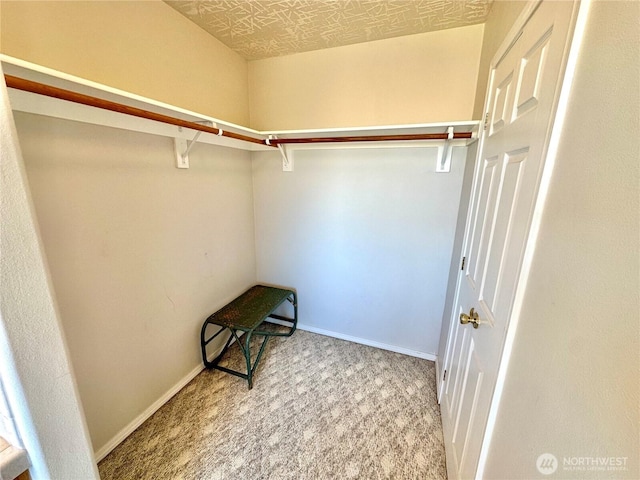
[(204, 343), (247, 356), (293, 299), (246, 351), (295, 313)]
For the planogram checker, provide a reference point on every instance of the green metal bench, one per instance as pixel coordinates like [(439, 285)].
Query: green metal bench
[(245, 314)]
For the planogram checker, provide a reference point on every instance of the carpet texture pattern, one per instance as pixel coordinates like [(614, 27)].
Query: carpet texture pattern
[(320, 408)]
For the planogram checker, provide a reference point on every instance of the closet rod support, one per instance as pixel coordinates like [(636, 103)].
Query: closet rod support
[(287, 159), (445, 152), (191, 144)]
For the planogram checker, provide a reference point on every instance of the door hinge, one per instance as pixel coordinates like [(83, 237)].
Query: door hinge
[(486, 120), (463, 260), (444, 377)]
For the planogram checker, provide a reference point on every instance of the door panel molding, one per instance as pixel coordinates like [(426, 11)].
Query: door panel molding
[(524, 87)]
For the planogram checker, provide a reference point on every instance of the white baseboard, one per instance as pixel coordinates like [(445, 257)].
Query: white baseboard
[(370, 343), (155, 406), (139, 420)]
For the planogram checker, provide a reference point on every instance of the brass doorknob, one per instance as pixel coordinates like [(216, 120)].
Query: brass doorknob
[(472, 318)]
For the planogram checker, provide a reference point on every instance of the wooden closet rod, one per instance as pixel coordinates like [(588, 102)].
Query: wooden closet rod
[(62, 94), (371, 138), (55, 92)]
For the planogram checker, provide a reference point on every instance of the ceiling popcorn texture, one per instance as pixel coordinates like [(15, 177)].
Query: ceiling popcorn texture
[(258, 29)]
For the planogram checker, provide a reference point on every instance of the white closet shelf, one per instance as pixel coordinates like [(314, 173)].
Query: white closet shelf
[(54, 107), (25, 101), (405, 129)]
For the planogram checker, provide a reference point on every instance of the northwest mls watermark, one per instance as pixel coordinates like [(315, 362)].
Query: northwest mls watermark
[(547, 464)]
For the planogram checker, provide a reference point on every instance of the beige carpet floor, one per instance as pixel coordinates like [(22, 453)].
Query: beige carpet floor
[(320, 408)]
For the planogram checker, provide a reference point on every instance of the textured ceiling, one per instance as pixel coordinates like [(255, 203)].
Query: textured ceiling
[(267, 28)]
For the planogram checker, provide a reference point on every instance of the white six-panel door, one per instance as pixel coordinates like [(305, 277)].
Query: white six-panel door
[(522, 96)]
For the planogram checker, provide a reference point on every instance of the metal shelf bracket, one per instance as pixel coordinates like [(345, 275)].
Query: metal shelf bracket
[(444, 154), (287, 157), (182, 147)]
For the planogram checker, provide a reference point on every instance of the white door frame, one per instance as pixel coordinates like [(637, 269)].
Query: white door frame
[(573, 47)]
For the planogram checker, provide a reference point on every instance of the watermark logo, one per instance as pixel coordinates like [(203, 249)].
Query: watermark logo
[(547, 463), (595, 464)]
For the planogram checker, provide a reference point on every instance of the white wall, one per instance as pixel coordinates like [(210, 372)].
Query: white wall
[(143, 47), (364, 235), (33, 358), (573, 384), (429, 77), (140, 253)]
